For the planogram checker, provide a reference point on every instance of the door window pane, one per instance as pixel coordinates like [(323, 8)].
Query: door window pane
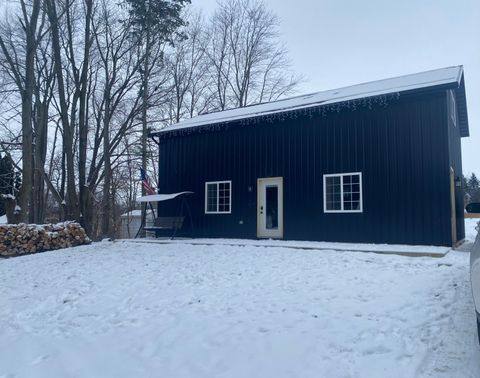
[(271, 212)]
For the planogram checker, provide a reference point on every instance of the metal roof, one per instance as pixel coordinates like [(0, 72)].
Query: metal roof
[(450, 76)]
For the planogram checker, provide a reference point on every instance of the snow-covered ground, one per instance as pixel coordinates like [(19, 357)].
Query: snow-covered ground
[(146, 310), (3, 219)]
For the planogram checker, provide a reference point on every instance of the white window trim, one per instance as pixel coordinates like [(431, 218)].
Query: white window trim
[(341, 175), (218, 197)]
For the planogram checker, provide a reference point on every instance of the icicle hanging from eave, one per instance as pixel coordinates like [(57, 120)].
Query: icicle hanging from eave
[(322, 110)]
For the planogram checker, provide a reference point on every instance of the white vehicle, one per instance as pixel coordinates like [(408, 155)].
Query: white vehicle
[(475, 276)]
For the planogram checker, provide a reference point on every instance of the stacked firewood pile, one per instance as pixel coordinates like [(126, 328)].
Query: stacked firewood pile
[(19, 239)]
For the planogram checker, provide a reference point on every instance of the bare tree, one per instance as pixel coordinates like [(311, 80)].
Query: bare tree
[(18, 58), (83, 81), (72, 208), (187, 65), (220, 59), (44, 91), (120, 64), (250, 65)]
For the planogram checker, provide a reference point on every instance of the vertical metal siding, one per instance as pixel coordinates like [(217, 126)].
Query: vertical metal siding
[(402, 151)]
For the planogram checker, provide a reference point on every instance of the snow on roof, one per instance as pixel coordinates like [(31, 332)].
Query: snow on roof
[(443, 76)]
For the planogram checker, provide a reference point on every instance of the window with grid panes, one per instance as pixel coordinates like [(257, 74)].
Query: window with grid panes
[(218, 197), (342, 193)]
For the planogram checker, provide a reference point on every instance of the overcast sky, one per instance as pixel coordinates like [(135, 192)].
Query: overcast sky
[(336, 43)]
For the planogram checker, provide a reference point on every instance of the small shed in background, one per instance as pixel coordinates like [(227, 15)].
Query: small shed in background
[(130, 223)]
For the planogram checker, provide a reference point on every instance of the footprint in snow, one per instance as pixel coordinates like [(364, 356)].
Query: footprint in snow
[(380, 349), (38, 360)]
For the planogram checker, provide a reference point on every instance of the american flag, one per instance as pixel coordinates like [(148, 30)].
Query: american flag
[(146, 182)]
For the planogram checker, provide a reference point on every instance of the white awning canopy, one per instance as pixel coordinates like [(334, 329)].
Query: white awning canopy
[(160, 197)]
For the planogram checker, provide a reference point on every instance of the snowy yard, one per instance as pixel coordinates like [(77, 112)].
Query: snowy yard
[(146, 310)]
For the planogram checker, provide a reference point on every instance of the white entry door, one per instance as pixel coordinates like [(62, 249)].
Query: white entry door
[(270, 207)]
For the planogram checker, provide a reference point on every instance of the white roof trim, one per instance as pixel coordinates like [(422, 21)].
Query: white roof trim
[(426, 79)]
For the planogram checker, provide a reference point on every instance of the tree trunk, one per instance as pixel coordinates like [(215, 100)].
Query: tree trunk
[(13, 216), (144, 115), (27, 113), (41, 127), (72, 209), (106, 217), (83, 125)]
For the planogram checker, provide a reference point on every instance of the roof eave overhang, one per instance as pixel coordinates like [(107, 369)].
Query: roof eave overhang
[(458, 86), (461, 100), (383, 98)]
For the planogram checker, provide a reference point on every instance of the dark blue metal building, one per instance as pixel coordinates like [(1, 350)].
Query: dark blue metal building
[(378, 162)]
